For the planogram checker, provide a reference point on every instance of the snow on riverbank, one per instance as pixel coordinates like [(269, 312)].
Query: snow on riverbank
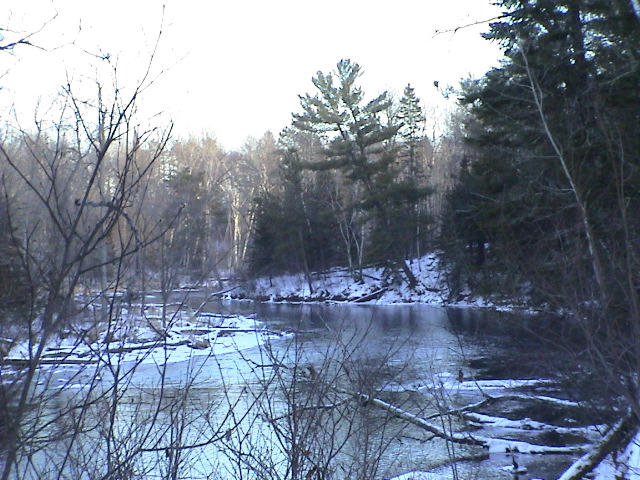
[(419, 475), (625, 465), (147, 339), (338, 285)]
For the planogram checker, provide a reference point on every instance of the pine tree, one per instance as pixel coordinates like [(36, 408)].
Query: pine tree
[(548, 129), (357, 146), (413, 150), (412, 132), (552, 181), (295, 229), (360, 146)]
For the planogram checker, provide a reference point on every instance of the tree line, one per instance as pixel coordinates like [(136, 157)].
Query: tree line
[(348, 184), (538, 168)]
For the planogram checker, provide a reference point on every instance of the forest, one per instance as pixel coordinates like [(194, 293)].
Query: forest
[(529, 194)]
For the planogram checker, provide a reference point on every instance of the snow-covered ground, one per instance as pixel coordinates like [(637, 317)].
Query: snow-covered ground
[(625, 466), (146, 338), (338, 285)]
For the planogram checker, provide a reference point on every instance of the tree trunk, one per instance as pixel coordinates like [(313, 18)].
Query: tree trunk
[(413, 281), (618, 437)]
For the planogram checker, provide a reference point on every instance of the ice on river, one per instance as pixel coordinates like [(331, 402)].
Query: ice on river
[(147, 339)]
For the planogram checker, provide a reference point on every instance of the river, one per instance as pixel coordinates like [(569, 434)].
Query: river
[(405, 351), (235, 407)]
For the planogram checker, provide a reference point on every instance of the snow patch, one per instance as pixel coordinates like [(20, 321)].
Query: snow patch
[(418, 475), (146, 339), (338, 285), (373, 285), (626, 464)]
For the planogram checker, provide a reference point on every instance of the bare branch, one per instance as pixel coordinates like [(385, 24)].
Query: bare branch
[(472, 24)]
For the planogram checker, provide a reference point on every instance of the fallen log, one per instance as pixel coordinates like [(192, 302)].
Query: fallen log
[(494, 445), (423, 424), (619, 436), (371, 296)]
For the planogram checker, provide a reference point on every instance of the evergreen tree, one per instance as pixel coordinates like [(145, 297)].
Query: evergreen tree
[(548, 129), (412, 132), (295, 229), (413, 151), (360, 146), (552, 181), (14, 286), (266, 238)]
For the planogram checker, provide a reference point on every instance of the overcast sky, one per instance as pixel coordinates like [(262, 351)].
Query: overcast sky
[(235, 68)]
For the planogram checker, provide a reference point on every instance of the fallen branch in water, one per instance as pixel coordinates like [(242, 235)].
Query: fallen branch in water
[(492, 400), (492, 444)]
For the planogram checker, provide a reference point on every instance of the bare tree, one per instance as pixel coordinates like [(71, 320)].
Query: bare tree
[(305, 421), (76, 185), (248, 173)]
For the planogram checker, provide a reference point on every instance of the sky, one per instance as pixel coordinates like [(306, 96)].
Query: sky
[(235, 68)]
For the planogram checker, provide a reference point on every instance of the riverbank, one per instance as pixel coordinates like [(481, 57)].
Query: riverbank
[(374, 286), (146, 338)]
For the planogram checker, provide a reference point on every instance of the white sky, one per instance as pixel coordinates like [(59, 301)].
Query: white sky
[(235, 68)]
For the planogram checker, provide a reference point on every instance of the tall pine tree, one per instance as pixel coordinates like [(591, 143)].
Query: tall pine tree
[(359, 145), (412, 133)]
